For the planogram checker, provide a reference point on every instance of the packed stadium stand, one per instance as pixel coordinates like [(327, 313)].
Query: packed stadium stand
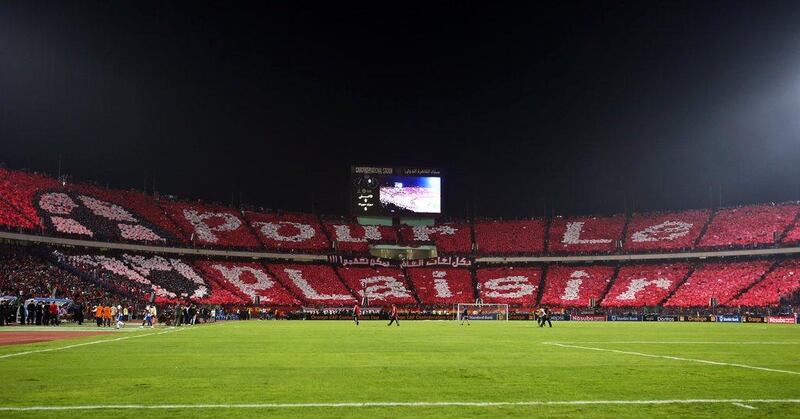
[(349, 236), (288, 232), (212, 225), (498, 237), (247, 281), (585, 234), (142, 205), (515, 286), (12, 219), (313, 284), (171, 279), (665, 231), (175, 263), (37, 203), (19, 189), (449, 238), (720, 281), (442, 286), (576, 286), (644, 285), (782, 281), (751, 225), (381, 286), (23, 273)]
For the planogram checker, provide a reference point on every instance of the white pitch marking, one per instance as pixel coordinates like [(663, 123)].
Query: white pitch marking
[(390, 404), (11, 355), (674, 358), (746, 406), (684, 342)]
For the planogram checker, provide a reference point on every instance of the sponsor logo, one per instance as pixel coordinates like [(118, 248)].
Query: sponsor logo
[(625, 318), (667, 318), (754, 319), (782, 319), (588, 318), (729, 318), (696, 318), (483, 316), (650, 318)]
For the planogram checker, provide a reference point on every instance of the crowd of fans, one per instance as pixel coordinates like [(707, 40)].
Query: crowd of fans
[(442, 286), (248, 282), (348, 236), (576, 286), (748, 226), (382, 286), (516, 286), (314, 285), (718, 281), (510, 237), (19, 189), (782, 282), (585, 234), (665, 231), (25, 275), (644, 285), (292, 232), (212, 225), (38, 203), (449, 238), (129, 282), (136, 202)]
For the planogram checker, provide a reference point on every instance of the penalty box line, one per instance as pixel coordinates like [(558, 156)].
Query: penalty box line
[(674, 358), (94, 342), (738, 402)]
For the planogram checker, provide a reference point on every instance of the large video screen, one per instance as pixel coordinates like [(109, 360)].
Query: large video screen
[(396, 191), (421, 195)]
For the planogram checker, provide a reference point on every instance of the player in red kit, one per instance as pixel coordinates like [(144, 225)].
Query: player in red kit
[(393, 316), (356, 313)]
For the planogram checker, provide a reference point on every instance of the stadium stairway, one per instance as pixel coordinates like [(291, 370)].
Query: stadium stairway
[(766, 273)]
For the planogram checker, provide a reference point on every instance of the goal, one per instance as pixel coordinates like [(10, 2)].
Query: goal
[(483, 311)]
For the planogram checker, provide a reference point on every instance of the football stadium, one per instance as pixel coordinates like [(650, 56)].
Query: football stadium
[(451, 210)]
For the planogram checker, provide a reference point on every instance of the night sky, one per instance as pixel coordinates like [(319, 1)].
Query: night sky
[(530, 109)]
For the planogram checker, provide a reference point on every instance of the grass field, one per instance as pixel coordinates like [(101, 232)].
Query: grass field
[(294, 369)]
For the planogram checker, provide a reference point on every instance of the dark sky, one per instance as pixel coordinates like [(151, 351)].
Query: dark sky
[(565, 107)]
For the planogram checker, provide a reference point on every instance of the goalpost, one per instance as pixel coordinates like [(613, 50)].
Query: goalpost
[(483, 311)]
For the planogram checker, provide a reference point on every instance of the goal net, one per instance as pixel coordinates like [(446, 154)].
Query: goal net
[(482, 311)]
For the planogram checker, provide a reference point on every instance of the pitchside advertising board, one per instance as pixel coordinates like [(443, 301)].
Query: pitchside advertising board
[(729, 318), (782, 319), (625, 318), (587, 318), (392, 191)]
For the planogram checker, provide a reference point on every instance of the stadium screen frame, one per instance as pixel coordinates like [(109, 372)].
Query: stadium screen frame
[(366, 183)]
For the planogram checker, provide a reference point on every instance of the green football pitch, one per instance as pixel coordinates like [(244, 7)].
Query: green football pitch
[(423, 368)]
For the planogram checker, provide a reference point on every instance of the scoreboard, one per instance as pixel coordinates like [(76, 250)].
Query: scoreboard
[(391, 191)]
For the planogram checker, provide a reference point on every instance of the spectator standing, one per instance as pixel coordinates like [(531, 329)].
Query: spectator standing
[(3, 312), (45, 313), (39, 310), (21, 313), (78, 310), (31, 313)]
